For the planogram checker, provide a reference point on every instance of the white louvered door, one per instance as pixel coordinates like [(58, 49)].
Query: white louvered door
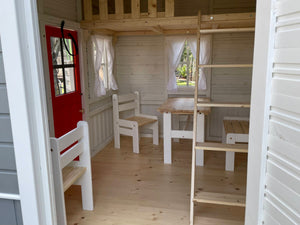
[(281, 203)]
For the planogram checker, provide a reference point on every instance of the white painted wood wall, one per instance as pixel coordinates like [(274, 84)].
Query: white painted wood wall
[(230, 84), (100, 120), (282, 181), (99, 113), (141, 65)]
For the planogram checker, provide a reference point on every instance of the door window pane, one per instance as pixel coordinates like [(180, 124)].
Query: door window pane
[(56, 50), (70, 80), (58, 82), (68, 59)]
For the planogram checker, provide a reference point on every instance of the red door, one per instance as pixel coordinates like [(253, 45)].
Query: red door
[(64, 78)]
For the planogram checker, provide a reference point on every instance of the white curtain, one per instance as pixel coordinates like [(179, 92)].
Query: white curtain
[(99, 88), (175, 46), (112, 84), (103, 45), (205, 56)]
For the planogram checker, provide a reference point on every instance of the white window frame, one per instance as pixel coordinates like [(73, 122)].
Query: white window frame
[(185, 90), (27, 102)]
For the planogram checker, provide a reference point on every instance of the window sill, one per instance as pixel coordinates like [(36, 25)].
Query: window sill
[(185, 91)]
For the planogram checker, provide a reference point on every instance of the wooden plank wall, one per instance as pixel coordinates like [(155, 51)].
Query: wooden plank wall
[(10, 211), (141, 66), (191, 7), (99, 112), (100, 121), (67, 9), (230, 84)]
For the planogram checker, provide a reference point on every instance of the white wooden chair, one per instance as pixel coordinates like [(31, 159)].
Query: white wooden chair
[(235, 130), (130, 126), (67, 172)]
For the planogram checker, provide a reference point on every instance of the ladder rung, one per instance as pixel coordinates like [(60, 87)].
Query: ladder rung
[(225, 65), (227, 30), (212, 146), (220, 199), (223, 104)]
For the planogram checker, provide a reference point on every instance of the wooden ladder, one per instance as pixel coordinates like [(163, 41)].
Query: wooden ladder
[(209, 197)]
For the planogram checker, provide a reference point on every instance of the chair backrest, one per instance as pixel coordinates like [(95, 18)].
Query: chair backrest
[(126, 102), (76, 138)]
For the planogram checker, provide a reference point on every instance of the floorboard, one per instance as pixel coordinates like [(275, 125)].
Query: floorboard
[(138, 189)]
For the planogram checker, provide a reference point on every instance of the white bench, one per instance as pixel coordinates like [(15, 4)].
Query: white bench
[(130, 126), (67, 172), (235, 130)]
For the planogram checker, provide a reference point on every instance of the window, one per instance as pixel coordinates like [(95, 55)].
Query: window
[(103, 71), (185, 71), (63, 66), (103, 59)]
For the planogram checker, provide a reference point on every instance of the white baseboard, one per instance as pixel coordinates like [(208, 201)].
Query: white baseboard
[(150, 135), (101, 146)]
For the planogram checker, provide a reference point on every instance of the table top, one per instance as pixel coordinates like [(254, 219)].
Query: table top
[(183, 106)]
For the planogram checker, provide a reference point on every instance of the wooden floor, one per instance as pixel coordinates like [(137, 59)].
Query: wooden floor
[(139, 189)]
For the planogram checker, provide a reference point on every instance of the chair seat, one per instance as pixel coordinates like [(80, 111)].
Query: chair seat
[(141, 120), (71, 175), (236, 126)]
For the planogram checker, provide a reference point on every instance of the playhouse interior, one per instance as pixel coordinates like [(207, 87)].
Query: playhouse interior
[(131, 188)]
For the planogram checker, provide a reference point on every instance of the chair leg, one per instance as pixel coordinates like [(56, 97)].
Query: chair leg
[(86, 191), (116, 136), (136, 139), (155, 133), (229, 165)]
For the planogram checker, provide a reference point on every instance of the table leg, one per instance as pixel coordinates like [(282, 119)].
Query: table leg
[(229, 163), (200, 138), (167, 138), (175, 122)]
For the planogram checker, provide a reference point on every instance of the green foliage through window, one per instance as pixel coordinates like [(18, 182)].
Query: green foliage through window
[(186, 68)]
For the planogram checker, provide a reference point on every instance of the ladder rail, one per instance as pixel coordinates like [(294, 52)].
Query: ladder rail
[(214, 198), (195, 123)]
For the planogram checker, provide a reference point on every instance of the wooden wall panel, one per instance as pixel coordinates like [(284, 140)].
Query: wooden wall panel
[(67, 9), (2, 78), (5, 129), (10, 211), (7, 157), (191, 7), (100, 124), (140, 67), (3, 100), (140, 64), (230, 84), (7, 212), (9, 182), (234, 6)]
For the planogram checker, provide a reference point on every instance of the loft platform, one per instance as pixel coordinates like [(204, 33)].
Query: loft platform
[(154, 22)]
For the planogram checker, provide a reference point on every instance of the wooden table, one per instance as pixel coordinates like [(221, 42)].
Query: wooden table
[(182, 106)]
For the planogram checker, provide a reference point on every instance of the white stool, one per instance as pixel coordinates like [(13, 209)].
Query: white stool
[(235, 129)]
